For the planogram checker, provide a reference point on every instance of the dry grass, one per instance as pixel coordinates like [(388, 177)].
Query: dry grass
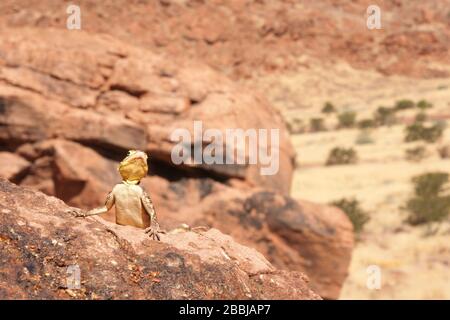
[(415, 263)]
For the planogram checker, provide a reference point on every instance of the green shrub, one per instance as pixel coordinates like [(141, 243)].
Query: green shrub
[(328, 108), (421, 117), (419, 131), (339, 156), (429, 203), (385, 116), (430, 184), (416, 154), (316, 124), (367, 123), (347, 119), (404, 104), (352, 209), (424, 104)]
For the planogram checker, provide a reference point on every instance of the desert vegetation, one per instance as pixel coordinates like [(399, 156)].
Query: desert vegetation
[(340, 156), (420, 131), (347, 119), (424, 104), (431, 201), (353, 210), (376, 181), (385, 116), (421, 117), (367, 123), (328, 108), (416, 154), (404, 104), (316, 125)]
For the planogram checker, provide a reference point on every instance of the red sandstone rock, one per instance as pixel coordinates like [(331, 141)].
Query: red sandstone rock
[(244, 38), (12, 166), (292, 234), (131, 98), (40, 241)]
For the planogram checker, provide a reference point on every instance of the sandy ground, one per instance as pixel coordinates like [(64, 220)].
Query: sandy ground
[(414, 264)]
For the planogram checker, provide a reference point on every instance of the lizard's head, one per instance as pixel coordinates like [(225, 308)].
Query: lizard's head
[(134, 167)]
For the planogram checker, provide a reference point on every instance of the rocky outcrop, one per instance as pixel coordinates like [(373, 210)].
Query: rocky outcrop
[(12, 166), (74, 173), (292, 234), (112, 96), (43, 247), (72, 104)]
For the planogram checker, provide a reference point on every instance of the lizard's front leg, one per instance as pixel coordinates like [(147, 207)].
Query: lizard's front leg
[(153, 231), (108, 205)]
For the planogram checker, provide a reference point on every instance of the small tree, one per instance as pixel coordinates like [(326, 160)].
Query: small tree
[(418, 131), (352, 209), (429, 203), (421, 117), (404, 104), (316, 124), (328, 108), (367, 123), (339, 156), (416, 154), (347, 119), (424, 104), (385, 116)]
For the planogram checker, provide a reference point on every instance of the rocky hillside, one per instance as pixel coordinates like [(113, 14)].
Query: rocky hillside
[(42, 244), (252, 38)]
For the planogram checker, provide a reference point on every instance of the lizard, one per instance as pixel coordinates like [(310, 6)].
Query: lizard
[(133, 205)]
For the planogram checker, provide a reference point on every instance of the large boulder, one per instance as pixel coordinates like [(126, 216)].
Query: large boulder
[(70, 171), (12, 166), (27, 117), (292, 234), (112, 96), (44, 248)]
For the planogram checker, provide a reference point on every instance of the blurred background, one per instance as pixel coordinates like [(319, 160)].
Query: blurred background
[(363, 112)]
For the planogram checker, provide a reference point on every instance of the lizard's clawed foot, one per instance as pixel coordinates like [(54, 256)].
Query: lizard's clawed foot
[(78, 213), (154, 232)]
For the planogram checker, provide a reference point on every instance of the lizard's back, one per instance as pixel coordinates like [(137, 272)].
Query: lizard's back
[(128, 206)]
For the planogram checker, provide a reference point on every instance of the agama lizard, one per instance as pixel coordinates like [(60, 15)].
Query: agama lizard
[(132, 204)]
